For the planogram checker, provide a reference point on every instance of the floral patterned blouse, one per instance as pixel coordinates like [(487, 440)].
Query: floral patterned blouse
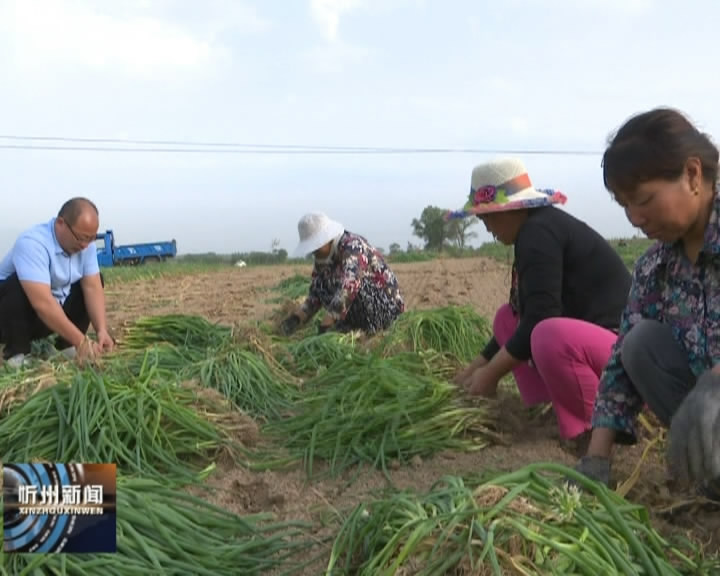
[(356, 287), (666, 287)]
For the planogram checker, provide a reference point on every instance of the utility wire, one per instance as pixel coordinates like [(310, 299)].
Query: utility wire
[(77, 144), (175, 143), (297, 150), (333, 148)]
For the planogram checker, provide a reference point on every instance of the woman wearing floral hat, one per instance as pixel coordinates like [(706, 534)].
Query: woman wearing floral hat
[(567, 293), (350, 280)]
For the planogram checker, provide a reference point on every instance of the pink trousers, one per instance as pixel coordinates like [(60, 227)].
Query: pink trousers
[(568, 357)]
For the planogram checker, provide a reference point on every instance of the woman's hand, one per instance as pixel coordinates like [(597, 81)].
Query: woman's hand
[(463, 378), (483, 383), (290, 324), (327, 323)]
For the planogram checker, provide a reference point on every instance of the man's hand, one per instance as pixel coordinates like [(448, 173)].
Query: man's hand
[(87, 351), (105, 341), (694, 447), (290, 324)]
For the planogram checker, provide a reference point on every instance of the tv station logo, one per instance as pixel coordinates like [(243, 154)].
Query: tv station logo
[(51, 508)]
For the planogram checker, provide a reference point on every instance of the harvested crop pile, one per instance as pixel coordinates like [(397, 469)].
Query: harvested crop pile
[(456, 331), (243, 377), (17, 387), (292, 288), (314, 353), (248, 381), (193, 332), (193, 349), (523, 522), (162, 530), (148, 425), (372, 409)]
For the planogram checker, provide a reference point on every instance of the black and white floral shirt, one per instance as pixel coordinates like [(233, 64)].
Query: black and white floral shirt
[(356, 287)]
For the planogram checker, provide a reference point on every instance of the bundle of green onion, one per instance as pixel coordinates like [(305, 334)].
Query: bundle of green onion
[(190, 348), (314, 353), (372, 409), (162, 530), (247, 380), (189, 331), (523, 522), (147, 425), (291, 288), (455, 331)]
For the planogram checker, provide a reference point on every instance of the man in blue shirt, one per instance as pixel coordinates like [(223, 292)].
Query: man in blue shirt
[(50, 283)]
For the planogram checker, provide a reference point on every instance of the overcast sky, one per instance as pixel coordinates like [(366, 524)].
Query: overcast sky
[(505, 75)]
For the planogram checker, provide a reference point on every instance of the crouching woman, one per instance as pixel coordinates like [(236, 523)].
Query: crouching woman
[(350, 280), (567, 294), (662, 170)]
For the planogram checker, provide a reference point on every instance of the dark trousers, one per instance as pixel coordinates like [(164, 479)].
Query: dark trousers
[(658, 367), (20, 325)]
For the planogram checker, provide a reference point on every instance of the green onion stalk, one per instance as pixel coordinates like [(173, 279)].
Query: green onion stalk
[(163, 530), (458, 332), (149, 426), (374, 410), (527, 522)]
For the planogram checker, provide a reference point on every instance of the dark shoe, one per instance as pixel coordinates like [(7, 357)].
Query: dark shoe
[(710, 490), (576, 446), (595, 468)]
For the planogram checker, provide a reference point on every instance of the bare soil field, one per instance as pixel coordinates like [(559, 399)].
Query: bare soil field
[(241, 295)]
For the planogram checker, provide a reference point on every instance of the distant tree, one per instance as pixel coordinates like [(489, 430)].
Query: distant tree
[(395, 248), (459, 232), (275, 245), (431, 227)]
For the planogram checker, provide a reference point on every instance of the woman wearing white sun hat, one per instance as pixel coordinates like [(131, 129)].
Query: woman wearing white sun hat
[(350, 280), (567, 293)]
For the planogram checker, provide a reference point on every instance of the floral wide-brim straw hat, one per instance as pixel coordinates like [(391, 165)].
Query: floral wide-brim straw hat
[(503, 185)]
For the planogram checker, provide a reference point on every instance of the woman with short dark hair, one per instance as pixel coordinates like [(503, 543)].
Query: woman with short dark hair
[(663, 170)]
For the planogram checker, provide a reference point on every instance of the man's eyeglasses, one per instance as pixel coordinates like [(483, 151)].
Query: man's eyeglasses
[(80, 239)]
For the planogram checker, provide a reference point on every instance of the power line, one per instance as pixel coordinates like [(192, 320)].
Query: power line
[(176, 143), (298, 150), (254, 147), (260, 151)]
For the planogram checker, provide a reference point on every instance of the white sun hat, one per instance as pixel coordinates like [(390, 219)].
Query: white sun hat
[(315, 230)]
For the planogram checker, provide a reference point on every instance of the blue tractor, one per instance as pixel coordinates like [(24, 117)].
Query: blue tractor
[(132, 254)]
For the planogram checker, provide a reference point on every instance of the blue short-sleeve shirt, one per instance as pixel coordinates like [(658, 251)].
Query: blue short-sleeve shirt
[(38, 257)]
